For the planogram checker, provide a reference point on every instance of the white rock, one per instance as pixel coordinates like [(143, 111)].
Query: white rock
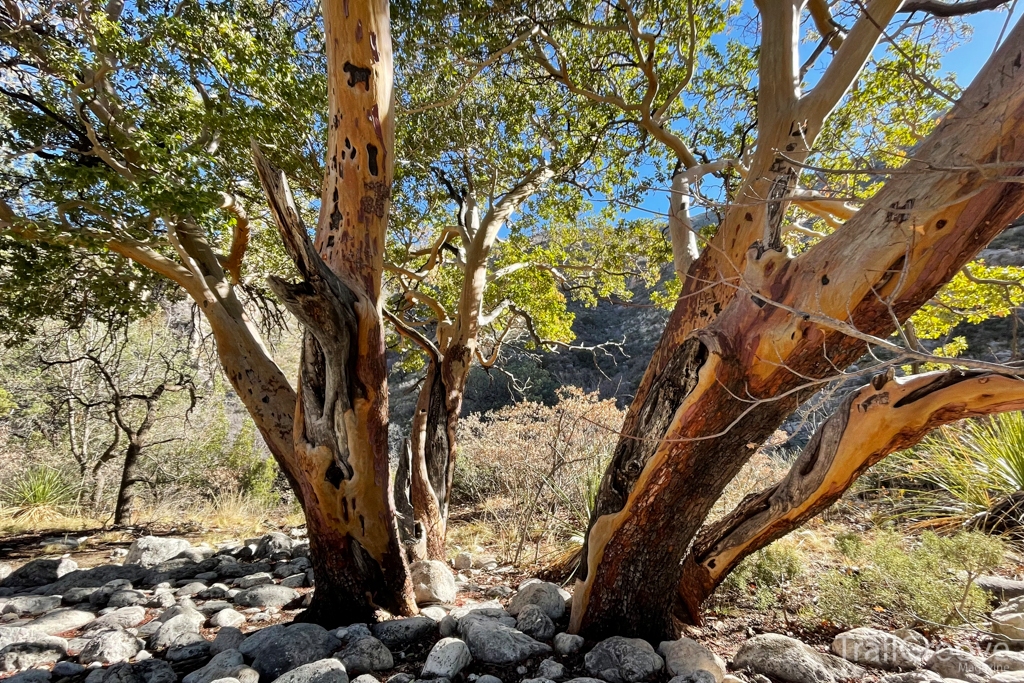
[(110, 647), (447, 658), (227, 617), (1005, 660), (547, 596), (787, 659), (321, 671), (685, 656), (61, 620), (878, 649), (492, 641), (568, 643), (257, 579), (1008, 677), (951, 663), (150, 551), (433, 582)]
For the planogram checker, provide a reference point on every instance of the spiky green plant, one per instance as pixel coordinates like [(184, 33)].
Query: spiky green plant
[(40, 492), (961, 469), (577, 499)]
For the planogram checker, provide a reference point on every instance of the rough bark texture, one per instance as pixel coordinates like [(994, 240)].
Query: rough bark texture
[(432, 450), (710, 398), (125, 505), (882, 417), (340, 428)]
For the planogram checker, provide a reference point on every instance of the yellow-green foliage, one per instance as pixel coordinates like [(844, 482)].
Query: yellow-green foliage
[(927, 582), (963, 300), (256, 473), (40, 487), (766, 571), (7, 403)]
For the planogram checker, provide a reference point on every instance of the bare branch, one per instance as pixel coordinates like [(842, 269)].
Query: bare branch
[(937, 8)]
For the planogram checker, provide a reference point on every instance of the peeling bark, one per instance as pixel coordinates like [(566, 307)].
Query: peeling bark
[(340, 428), (878, 419), (785, 329)]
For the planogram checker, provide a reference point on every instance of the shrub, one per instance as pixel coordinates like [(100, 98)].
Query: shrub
[(849, 544), (534, 468), (930, 584), (764, 573), (256, 471)]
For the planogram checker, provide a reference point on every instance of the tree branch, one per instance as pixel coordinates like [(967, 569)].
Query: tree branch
[(414, 335), (937, 8), (884, 416), (847, 63), (239, 237)]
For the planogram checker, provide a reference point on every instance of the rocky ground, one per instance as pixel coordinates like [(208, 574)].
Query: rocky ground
[(165, 611)]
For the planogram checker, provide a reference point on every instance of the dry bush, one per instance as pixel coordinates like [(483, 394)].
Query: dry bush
[(765, 468), (535, 469)]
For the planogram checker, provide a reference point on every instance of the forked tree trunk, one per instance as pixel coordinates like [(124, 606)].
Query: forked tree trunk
[(340, 428), (435, 422), (433, 440), (713, 396)]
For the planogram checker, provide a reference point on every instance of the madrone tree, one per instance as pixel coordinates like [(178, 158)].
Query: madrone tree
[(487, 240), (846, 197), (127, 131), (757, 328)]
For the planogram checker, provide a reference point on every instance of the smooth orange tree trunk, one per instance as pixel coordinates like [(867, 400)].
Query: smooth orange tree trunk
[(781, 325), (340, 425)]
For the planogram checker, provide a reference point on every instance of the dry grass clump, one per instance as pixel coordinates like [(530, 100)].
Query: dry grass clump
[(534, 471)]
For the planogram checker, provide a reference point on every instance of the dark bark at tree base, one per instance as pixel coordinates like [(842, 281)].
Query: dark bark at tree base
[(350, 584), (125, 506)]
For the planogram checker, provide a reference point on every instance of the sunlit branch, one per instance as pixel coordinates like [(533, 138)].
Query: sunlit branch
[(239, 237), (413, 334), (848, 62), (428, 301)]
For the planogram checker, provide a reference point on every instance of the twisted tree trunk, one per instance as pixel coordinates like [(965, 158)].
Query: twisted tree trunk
[(710, 397), (882, 417), (340, 430), (433, 440), (125, 506)]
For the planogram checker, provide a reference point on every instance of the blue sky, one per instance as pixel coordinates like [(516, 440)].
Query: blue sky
[(965, 61), (968, 59)]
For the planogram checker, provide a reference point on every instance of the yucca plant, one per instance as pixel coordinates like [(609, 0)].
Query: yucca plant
[(41, 493), (960, 471)]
